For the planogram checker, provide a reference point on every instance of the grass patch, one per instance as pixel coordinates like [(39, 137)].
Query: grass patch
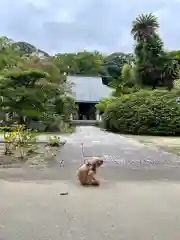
[(168, 144), (171, 149)]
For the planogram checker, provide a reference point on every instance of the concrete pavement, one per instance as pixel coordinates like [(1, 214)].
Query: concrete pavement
[(117, 210), (139, 198), (117, 150)]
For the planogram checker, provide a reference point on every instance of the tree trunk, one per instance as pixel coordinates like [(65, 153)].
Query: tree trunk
[(21, 120), (170, 85)]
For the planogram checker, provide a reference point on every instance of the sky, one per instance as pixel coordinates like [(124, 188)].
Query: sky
[(75, 25)]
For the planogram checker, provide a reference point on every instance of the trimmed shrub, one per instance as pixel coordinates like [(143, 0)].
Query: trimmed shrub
[(145, 112), (102, 105)]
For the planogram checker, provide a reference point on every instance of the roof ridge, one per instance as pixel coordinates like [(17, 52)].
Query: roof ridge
[(91, 90)]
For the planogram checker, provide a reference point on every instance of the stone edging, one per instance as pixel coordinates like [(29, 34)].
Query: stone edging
[(11, 165), (39, 141)]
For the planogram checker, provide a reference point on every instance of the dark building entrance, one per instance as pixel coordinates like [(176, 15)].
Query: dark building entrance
[(86, 111), (87, 92)]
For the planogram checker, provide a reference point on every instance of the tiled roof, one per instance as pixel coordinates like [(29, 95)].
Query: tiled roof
[(88, 89)]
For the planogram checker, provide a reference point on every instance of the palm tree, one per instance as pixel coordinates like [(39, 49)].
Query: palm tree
[(144, 26)]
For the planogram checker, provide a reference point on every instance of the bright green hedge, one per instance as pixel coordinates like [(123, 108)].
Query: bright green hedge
[(145, 112), (102, 105)]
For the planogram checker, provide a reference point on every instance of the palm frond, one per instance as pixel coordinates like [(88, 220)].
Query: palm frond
[(144, 26)]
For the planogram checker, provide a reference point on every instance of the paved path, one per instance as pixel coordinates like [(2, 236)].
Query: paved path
[(139, 198), (121, 210), (117, 150)]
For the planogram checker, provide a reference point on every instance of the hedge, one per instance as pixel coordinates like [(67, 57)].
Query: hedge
[(145, 112), (102, 105)]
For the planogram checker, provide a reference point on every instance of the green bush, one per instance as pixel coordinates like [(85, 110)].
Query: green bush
[(54, 141), (145, 112), (102, 105)]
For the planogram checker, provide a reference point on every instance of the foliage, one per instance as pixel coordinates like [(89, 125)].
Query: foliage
[(54, 141), (124, 84), (19, 138), (81, 63), (144, 27), (48, 65), (19, 91), (26, 78), (102, 105), (61, 104), (113, 64), (145, 112), (25, 48), (33, 88), (177, 84), (174, 54), (150, 65), (154, 67), (9, 56)]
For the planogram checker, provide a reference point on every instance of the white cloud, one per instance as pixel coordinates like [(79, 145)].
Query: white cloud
[(69, 25)]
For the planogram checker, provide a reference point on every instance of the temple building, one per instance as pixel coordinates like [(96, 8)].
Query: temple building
[(88, 91)]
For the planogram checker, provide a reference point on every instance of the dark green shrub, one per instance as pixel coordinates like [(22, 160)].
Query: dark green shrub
[(145, 112)]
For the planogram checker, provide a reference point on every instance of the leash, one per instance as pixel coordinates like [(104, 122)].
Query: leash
[(82, 150), (83, 155)]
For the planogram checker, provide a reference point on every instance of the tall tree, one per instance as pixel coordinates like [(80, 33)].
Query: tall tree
[(124, 83), (32, 88), (144, 27), (153, 67), (22, 95), (81, 63), (112, 66), (9, 55), (28, 49)]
